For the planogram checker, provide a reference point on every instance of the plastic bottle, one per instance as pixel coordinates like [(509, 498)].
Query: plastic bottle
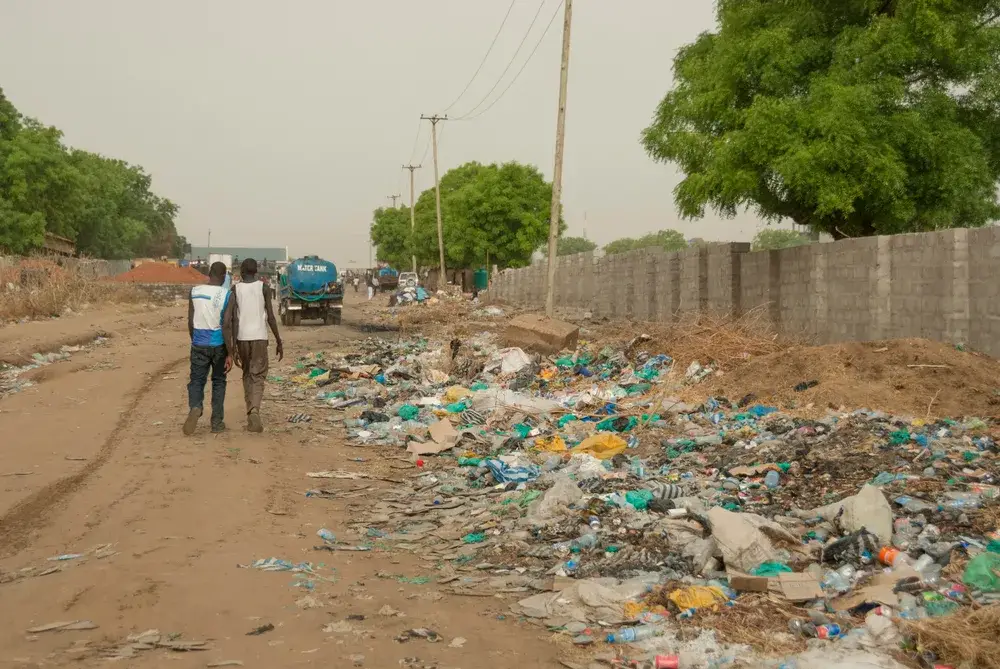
[(831, 631), (834, 581), (802, 628), (633, 634), (585, 542), (892, 557), (326, 535), (772, 480), (594, 522)]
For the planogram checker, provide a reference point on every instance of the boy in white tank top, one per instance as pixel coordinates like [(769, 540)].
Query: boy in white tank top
[(247, 320)]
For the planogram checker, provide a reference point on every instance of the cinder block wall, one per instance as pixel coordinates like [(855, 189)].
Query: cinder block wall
[(939, 285)]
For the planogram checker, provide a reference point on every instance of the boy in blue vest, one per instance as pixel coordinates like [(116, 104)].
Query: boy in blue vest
[(206, 306)]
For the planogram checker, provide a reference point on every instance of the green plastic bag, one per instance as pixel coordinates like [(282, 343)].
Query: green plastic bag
[(408, 412), (639, 499), (478, 385), (770, 569), (981, 572)]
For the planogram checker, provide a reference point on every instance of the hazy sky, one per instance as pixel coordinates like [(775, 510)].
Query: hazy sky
[(285, 123)]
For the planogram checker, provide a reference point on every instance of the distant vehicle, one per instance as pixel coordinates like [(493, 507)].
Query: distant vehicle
[(388, 279), (408, 280), (308, 288)]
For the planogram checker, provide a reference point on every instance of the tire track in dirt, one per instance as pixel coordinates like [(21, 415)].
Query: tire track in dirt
[(27, 515)]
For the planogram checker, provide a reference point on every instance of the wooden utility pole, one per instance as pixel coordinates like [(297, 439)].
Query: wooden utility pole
[(437, 192), (393, 198), (558, 169), (413, 208)]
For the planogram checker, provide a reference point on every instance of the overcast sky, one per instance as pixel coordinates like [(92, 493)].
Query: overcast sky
[(285, 123)]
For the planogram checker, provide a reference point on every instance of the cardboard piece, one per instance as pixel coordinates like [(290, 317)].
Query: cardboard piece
[(878, 591), (443, 437), (743, 583), (756, 470), (799, 587)]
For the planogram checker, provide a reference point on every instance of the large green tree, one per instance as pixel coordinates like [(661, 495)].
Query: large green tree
[(855, 117), (105, 206), (496, 213), (668, 240), (570, 245), (772, 239), (391, 233)]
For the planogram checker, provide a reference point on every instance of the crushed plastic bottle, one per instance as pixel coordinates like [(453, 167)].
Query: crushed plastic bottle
[(326, 535), (772, 480)]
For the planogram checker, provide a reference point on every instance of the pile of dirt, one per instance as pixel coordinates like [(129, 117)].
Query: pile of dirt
[(917, 377), (160, 272)]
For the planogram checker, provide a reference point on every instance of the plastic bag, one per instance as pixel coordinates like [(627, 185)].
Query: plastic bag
[(408, 412), (456, 393), (554, 444), (698, 597), (603, 446), (981, 572)]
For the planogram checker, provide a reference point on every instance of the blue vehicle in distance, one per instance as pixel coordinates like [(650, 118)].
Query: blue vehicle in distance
[(310, 289)]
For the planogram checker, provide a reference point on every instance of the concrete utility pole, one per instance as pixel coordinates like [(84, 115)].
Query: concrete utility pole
[(558, 170), (413, 207), (437, 191), (393, 198)]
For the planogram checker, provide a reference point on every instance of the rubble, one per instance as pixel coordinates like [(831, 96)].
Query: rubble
[(576, 484)]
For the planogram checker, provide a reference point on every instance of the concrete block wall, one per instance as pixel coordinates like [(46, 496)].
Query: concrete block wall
[(937, 285)]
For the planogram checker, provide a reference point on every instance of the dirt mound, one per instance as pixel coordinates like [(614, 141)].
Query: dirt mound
[(904, 376), (160, 272)]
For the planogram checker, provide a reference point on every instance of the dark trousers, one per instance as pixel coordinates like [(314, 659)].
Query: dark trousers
[(204, 358)]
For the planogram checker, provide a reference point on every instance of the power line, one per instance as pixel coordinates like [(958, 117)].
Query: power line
[(483, 62), (509, 64), (525, 65), (416, 140)]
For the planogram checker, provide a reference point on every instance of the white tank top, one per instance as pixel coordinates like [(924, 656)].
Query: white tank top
[(252, 314)]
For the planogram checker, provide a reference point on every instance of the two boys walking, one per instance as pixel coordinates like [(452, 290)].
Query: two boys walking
[(229, 326)]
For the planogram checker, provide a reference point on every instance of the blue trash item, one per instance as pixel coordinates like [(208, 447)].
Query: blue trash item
[(772, 480), (759, 410), (421, 294), (503, 473)]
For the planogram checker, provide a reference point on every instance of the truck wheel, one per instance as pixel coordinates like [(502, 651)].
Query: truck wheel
[(335, 318), (284, 318)]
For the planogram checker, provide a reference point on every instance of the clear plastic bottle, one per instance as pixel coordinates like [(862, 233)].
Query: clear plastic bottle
[(585, 542), (772, 480), (326, 535), (633, 634), (835, 582)]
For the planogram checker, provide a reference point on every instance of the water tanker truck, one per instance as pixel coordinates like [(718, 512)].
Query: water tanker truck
[(309, 289)]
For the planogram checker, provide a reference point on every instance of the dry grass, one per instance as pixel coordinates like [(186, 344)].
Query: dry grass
[(970, 637), (758, 621), (725, 342), (39, 288)]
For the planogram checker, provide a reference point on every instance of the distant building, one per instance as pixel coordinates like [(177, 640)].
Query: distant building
[(239, 253)]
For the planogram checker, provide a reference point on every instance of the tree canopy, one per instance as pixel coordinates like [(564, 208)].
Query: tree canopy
[(668, 240), (497, 212), (854, 117), (771, 239), (104, 205), (391, 233), (570, 245)]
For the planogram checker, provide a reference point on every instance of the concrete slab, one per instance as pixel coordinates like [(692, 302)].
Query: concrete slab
[(536, 332)]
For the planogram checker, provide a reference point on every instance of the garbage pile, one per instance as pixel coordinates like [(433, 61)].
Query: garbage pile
[(629, 520)]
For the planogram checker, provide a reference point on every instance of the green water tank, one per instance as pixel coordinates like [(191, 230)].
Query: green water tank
[(481, 279)]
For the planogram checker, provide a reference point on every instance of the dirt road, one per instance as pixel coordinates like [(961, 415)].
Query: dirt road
[(93, 455)]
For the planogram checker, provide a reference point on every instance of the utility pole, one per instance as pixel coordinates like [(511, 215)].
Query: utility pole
[(393, 198), (413, 215), (209, 240), (558, 169), (437, 191)]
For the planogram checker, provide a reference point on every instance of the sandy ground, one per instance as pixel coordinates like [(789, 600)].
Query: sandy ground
[(93, 454)]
